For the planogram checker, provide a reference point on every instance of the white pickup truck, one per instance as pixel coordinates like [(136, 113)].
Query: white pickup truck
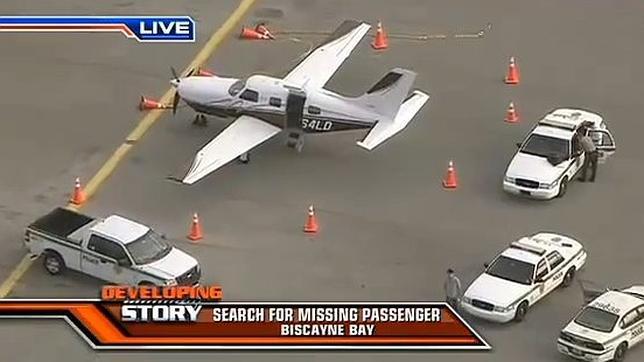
[(113, 249)]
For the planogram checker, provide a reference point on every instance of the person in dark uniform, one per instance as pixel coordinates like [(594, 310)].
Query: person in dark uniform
[(591, 157)]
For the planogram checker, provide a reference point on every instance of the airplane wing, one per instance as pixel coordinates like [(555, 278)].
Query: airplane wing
[(320, 65), (239, 137)]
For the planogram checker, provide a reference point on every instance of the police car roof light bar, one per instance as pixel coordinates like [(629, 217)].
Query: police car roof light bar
[(528, 248)]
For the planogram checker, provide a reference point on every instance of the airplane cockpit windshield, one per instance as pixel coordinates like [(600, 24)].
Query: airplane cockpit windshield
[(237, 87)]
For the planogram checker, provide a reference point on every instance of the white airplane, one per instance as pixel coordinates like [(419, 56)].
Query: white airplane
[(298, 103)]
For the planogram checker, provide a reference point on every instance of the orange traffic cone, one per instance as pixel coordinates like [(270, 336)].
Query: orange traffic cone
[(511, 115), (513, 73), (311, 225), (248, 33), (78, 196), (450, 181), (262, 29), (195, 229), (380, 42), (204, 73), (147, 104)]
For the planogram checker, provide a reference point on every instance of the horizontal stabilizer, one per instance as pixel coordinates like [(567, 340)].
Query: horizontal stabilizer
[(383, 130), (386, 96)]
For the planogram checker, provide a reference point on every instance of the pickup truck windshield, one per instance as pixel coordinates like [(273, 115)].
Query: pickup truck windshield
[(597, 319), (544, 146), (149, 248), (511, 269)]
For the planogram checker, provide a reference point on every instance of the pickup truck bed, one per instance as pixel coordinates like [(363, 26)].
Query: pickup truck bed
[(60, 223)]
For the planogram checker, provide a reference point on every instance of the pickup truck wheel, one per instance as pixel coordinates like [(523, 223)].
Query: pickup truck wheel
[(563, 187), (568, 278), (53, 263), (522, 310), (620, 352)]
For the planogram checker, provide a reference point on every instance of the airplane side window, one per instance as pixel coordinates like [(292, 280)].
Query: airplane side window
[(249, 95), (275, 102), (314, 110), (236, 87)]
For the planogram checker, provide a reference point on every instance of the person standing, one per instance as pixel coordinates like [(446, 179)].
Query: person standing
[(452, 289), (591, 157)]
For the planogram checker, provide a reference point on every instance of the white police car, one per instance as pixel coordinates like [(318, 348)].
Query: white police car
[(605, 328), (550, 156), (521, 275)]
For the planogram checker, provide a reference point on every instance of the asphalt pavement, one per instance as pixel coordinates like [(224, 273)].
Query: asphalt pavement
[(388, 229)]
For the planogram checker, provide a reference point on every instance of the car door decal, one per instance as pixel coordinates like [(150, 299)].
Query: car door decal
[(561, 267)]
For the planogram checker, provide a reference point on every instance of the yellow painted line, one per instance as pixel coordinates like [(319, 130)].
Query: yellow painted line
[(141, 129), (15, 275), (108, 167)]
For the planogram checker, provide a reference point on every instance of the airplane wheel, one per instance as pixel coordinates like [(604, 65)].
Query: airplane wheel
[(200, 120), (291, 143), (245, 158)]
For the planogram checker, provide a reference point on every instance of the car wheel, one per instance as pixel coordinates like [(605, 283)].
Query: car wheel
[(620, 352), (568, 278), (563, 187), (522, 310), (53, 263)]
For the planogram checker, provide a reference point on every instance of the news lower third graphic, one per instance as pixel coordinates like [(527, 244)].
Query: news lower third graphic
[(146, 28), (182, 317)]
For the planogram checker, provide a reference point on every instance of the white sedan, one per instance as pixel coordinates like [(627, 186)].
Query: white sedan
[(521, 275), (550, 156), (605, 328)]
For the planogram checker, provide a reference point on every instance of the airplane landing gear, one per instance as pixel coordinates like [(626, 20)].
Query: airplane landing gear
[(200, 120), (295, 141), (244, 157)]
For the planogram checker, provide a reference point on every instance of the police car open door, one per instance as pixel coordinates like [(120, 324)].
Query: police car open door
[(604, 142)]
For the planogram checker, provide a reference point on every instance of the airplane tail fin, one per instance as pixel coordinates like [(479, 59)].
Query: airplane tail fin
[(386, 96), (385, 129)]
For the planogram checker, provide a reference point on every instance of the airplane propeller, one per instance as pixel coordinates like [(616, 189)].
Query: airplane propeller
[(177, 79), (174, 74), (175, 102)]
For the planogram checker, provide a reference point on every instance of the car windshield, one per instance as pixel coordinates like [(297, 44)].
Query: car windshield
[(511, 269), (237, 87), (597, 319), (544, 146), (148, 248)]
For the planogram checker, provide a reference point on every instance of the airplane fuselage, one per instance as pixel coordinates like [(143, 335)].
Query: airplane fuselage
[(270, 99), (265, 106)]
